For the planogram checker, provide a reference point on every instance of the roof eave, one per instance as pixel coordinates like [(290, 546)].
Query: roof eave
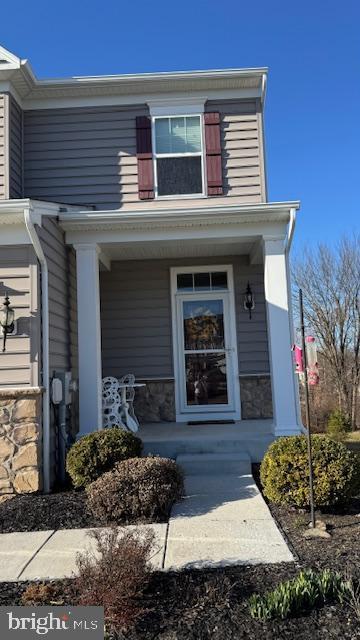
[(222, 214)]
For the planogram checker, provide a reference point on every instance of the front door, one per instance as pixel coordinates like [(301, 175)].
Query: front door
[(207, 378)]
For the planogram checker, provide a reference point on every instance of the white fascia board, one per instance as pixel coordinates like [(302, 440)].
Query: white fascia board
[(204, 213), (245, 232), (123, 88), (63, 102), (208, 74)]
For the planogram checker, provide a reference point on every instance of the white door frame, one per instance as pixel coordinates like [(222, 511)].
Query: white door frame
[(205, 412)]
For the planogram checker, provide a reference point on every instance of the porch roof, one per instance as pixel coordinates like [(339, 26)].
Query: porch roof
[(206, 229)]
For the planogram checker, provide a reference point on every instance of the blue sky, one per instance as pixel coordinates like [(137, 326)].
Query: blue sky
[(311, 48)]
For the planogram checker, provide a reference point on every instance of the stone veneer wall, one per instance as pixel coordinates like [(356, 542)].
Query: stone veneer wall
[(256, 397), (156, 401), (20, 440)]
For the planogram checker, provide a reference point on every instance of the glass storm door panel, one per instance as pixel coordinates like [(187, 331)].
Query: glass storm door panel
[(206, 354)]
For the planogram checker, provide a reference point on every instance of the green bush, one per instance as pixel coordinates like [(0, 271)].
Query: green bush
[(284, 472), (98, 452), (308, 590), (338, 426), (140, 489)]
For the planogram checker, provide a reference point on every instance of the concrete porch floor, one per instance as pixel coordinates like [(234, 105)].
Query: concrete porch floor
[(175, 438)]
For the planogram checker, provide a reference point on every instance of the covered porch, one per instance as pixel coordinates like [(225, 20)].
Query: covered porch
[(127, 264)]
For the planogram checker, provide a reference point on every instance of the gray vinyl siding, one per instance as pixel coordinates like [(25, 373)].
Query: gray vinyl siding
[(3, 147), (242, 148), (53, 244), (19, 365), (136, 317), (62, 317), (15, 150), (87, 156), (84, 156)]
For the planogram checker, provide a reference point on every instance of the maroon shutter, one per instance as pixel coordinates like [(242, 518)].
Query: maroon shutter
[(144, 158), (213, 154)]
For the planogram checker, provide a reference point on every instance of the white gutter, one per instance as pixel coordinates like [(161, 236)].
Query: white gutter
[(166, 214), (34, 238)]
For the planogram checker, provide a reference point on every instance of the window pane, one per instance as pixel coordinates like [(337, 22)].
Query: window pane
[(219, 280), (178, 135), (203, 324), (206, 381), (185, 281), (162, 135), (202, 281), (176, 176), (193, 134)]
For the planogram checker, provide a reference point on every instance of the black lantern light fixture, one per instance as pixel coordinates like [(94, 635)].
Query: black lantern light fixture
[(7, 320), (249, 302)]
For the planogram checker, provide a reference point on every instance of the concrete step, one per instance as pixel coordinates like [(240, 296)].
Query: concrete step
[(215, 463), (254, 446)]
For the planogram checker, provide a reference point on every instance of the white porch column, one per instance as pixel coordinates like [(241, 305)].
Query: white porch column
[(284, 390), (89, 337)]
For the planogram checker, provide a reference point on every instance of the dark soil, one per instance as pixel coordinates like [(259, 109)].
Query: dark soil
[(212, 604), (39, 512), (59, 510)]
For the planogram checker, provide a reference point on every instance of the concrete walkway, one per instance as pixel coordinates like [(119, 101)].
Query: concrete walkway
[(222, 521)]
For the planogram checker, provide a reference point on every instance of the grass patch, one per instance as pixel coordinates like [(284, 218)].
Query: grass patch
[(352, 440)]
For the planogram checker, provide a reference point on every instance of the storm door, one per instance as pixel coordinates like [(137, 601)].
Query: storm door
[(207, 366)]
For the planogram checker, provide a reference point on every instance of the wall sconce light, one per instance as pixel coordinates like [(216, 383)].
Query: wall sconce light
[(249, 302), (7, 320)]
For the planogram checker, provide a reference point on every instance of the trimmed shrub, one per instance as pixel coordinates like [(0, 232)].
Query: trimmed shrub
[(98, 452), (308, 590), (115, 575), (139, 489), (284, 472), (338, 426)]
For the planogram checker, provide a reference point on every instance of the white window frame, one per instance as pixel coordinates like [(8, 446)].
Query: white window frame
[(198, 414), (200, 154)]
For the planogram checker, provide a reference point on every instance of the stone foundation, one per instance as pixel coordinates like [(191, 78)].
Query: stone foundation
[(256, 397), (155, 402), (20, 440)]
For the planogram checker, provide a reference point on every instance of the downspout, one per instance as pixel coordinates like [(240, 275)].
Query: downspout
[(35, 241), (291, 229)]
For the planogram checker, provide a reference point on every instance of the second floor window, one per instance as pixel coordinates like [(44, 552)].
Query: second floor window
[(178, 155)]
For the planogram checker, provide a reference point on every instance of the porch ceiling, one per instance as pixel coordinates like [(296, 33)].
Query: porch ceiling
[(175, 249)]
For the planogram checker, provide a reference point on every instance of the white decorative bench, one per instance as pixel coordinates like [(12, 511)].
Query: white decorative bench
[(117, 402)]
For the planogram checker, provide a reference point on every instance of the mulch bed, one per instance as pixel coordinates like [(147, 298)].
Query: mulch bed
[(212, 604), (39, 512), (60, 510)]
